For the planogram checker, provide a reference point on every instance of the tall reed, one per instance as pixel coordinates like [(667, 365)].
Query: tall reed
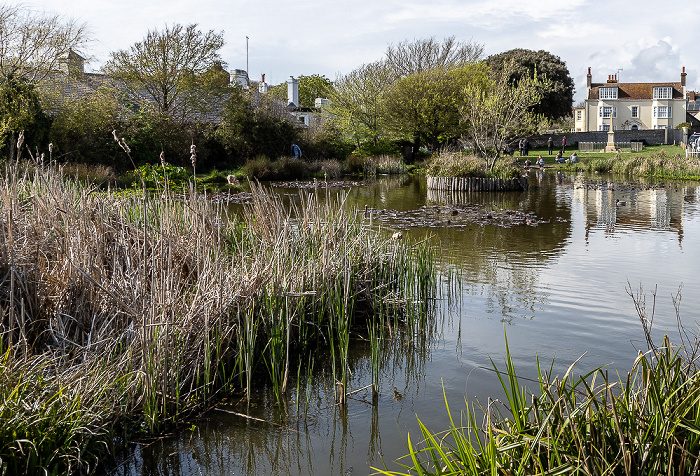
[(164, 303)]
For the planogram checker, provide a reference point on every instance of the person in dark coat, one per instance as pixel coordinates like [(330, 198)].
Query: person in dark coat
[(526, 146), (550, 145), (563, 145)]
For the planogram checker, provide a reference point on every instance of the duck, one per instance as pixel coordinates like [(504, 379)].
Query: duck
[(619, 203)]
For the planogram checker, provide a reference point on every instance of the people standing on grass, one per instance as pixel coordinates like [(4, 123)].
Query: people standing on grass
[(550, 145), (563, 145), (521, 144), (526, 146)]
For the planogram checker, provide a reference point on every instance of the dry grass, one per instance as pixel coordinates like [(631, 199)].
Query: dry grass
[(160, 304)]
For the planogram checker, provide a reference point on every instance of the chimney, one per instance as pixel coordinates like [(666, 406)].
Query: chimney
[(588, 78), (612, 78), (292, 92), (262, 87), (683, 75)]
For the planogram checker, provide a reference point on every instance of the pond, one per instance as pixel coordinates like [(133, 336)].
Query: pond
[(556, 283)]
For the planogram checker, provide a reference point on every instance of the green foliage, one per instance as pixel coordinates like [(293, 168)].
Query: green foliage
[(177, 70), (312, 87), (497, 111), (682, 125), (646, 423), (158, 177), (424, 108), (557, 93), (248, 129), (20, 110), (82, 130)]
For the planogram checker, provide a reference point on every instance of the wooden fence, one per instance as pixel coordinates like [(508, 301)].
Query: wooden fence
[(477, 184)]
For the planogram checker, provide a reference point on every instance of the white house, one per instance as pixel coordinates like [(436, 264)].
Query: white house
[(631, 106)]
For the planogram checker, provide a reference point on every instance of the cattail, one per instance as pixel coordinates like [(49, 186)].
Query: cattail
[(120, 141), (162, 159), (41, 159), (20, 140), (193, 155)]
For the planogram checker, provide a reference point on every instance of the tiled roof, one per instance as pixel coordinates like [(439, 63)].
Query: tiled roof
[(635, 90)]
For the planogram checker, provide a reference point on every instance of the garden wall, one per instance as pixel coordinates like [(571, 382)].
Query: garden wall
[(648, 136)]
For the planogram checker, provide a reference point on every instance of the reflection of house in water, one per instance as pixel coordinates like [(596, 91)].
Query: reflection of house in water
[(639, 207)]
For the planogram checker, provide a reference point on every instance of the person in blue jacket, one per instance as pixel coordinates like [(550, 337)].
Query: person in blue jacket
[(296, 151)]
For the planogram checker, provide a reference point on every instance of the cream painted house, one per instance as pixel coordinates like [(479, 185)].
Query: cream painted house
[(631, 106)]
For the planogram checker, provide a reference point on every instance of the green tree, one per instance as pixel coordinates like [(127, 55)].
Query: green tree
[(20, 110), (250, 128), (497, 111), (82, 129), (558, 95), (424, 107), (173, 71), (358, 103), (312, 87)]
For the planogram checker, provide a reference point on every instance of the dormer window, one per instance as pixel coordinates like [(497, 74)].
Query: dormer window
[(665, 92), (607, 93)]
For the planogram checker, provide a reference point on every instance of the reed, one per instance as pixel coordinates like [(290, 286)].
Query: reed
[(171, 302), (660, 165), (647, 422)]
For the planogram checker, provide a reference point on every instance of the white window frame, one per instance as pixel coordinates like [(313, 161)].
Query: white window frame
[(634, 112), (604, 127), (668, 110), (603, 109), (579, 115), (663, 92), (607, 93)]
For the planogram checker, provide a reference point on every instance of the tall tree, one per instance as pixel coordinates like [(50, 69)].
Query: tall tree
[(312, 87), (169, 70), (32, 44), (558, 95), (358, 102), (495, 112), (426, 54), (423, 108), (20, 110)]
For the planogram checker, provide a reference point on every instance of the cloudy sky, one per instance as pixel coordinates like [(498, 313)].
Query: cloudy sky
[(640, 41)]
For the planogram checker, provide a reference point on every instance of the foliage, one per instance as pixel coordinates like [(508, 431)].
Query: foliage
[(458, 164), (495, 113), (424, 107), (682, 125), (557, 93), (20, 110), (312, 87), (248, 129), (657, 165), (32, 44), (646, 423), (162, 176), (82, 129), (146, 308), (174, 70), (357, 103)]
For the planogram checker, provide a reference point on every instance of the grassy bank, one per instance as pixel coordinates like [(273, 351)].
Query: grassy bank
[(600, 423), (125, 313)]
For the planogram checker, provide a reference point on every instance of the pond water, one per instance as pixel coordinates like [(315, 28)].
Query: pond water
[(556, 287)]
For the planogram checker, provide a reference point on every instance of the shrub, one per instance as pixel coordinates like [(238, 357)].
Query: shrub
[(457, 164)]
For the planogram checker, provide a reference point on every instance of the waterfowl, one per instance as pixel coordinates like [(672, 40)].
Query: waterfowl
[(619, 203)]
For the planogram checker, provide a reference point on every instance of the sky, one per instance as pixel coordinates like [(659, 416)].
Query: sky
[(641, 41)]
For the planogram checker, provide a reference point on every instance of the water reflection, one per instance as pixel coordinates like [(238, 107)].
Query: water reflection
[(558, 288)]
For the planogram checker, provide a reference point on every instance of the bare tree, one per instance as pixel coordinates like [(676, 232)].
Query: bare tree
[(168, 69), (496, 112), (32, 44), (427, 54)]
